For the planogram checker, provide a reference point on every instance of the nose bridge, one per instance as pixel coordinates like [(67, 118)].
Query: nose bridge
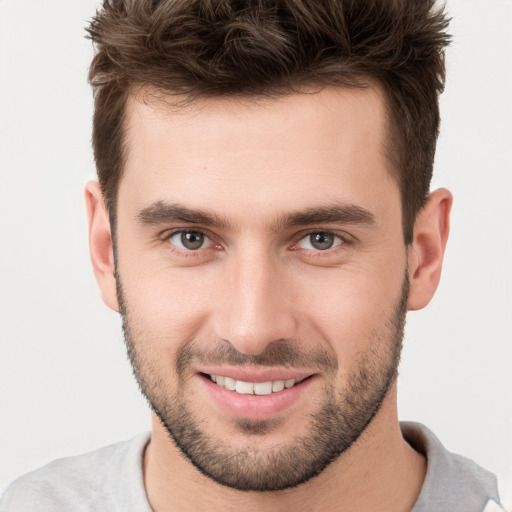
[(256, 309)]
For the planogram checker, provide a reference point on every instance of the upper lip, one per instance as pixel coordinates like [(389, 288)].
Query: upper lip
[(252, 374)]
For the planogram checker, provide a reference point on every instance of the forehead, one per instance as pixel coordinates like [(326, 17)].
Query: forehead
[(291, 151)]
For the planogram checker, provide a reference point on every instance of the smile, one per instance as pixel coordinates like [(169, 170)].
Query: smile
[(253, 388)]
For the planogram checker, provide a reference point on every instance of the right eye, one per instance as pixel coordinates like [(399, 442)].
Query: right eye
[(190, 240)]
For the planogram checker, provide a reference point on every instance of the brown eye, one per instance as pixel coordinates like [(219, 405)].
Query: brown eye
[(189, 240), (320, 241)]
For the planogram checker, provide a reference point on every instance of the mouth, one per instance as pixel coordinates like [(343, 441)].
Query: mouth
[(256, 394), (253, 388)]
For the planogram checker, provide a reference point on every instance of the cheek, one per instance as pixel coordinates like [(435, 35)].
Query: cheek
[(168, 304), (351, 308)]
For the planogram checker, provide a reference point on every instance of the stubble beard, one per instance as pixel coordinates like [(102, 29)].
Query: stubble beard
[(334, 426)]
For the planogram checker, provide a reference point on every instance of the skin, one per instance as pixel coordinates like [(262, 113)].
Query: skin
[(257, 282)]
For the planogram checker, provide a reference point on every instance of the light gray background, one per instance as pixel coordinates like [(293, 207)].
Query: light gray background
[(65, 384)]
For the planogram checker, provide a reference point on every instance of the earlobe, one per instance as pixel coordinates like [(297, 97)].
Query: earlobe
[(426, 252), (100, 244)]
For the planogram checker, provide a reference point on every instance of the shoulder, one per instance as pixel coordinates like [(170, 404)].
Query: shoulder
[(99, 480), (453, 482)]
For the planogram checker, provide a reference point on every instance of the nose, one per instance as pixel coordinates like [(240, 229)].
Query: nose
[(257, 304)]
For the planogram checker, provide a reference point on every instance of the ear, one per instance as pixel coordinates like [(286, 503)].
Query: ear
[(425, 254), (100, 244)]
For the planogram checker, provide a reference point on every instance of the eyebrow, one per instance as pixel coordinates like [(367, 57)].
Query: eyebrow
[(336, 213), (161, 212)]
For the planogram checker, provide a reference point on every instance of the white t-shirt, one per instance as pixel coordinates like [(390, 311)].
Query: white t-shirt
[(111, 480)]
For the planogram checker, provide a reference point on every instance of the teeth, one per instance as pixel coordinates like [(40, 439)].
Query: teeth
[(277, 385), (230, 383), (263, 388), (253, 388), (245, 388)]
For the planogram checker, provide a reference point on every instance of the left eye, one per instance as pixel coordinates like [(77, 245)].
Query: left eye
[(320, 241), (190, 240)]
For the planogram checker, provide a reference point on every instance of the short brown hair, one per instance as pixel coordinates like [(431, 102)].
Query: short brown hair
[(214, 48)]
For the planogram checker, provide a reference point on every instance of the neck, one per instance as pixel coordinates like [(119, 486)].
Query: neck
[(380, 471)]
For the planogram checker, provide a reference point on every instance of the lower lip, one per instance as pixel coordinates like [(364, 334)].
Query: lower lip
[(255, 407)]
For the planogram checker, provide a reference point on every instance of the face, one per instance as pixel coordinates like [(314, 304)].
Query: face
[(261, 275)]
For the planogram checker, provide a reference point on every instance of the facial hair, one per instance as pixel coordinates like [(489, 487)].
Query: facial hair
[(334, 426)]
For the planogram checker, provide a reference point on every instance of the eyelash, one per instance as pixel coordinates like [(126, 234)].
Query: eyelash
[(344, 238)]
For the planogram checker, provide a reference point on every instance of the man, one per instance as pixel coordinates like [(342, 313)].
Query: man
[(262, 223)]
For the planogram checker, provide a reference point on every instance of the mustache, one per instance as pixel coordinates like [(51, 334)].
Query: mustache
[(281, 353)]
